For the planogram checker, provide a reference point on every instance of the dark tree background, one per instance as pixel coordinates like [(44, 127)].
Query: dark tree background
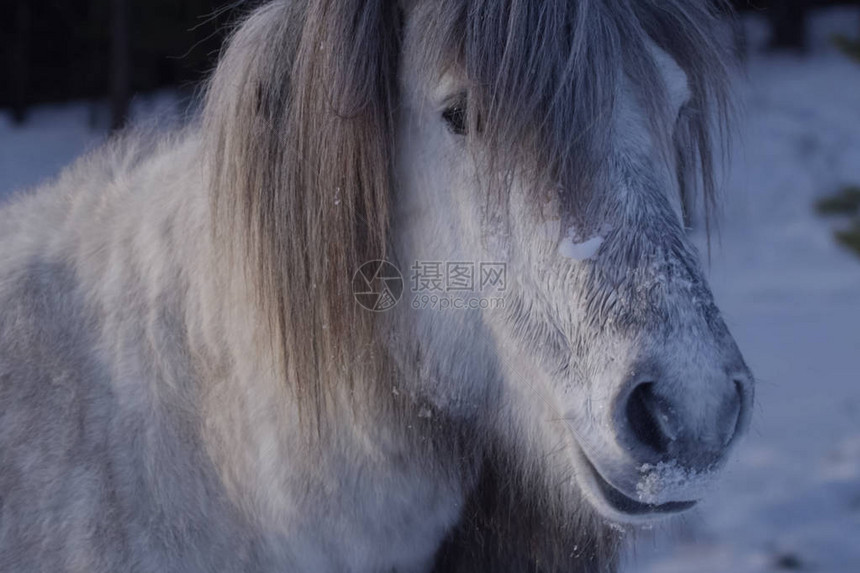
[(789, 18), (58, 50)]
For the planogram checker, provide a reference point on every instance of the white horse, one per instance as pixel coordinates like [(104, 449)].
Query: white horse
[(188, 383)]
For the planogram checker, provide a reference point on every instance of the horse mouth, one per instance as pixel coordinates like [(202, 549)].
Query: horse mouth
[(623, 505)]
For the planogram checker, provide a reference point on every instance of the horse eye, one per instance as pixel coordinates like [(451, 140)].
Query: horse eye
[(456, 117)]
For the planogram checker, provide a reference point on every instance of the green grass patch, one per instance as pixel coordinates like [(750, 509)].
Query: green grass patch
[(851, 237), (849, 46), (846, 202)]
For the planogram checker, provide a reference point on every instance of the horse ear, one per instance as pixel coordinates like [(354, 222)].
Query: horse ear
[(299, 123)]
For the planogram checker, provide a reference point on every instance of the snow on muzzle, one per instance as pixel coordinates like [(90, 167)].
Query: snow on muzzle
[(674, 423)]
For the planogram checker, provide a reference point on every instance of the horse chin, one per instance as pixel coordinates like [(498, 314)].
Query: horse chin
[(615, 505)]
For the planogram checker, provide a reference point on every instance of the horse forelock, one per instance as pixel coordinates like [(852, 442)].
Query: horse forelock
[(543, 81), (299, 122), (298, 126)]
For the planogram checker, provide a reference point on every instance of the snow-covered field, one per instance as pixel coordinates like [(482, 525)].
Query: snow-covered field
[(791, 497), (54, 136)]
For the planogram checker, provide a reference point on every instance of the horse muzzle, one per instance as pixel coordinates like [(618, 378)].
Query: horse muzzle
[(671, 438)]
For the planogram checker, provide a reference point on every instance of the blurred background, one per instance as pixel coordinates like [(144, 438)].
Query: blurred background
[(62, 50), (784, 262)]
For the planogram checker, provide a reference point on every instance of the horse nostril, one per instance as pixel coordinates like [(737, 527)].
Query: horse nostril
[(694, 424), (648, 417)]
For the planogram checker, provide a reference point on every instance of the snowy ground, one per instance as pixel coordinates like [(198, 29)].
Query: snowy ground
[(54, 136), (791, 498)]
